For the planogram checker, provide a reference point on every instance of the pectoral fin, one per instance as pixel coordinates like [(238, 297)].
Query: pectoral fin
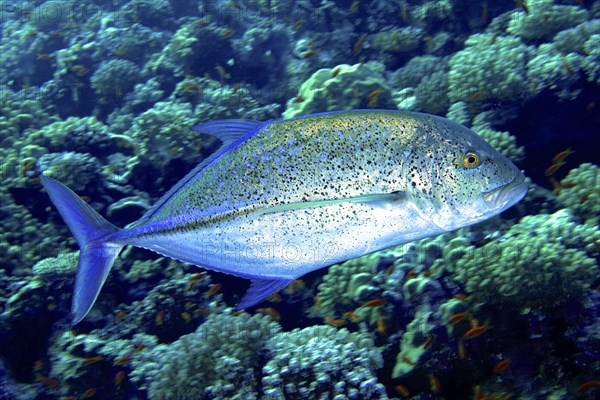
[(386, 201), (260, 289)]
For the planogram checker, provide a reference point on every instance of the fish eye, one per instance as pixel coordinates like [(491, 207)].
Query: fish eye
[(470, 160)]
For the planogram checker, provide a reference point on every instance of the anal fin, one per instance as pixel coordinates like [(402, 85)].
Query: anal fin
[(260, 289)]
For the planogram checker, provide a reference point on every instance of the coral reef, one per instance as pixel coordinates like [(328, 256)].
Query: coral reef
[(543, 258), (582, 194), (101, 95), (217, 361), (322, 362), (341, 87)]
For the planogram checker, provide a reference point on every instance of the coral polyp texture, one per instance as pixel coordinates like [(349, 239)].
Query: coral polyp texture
[(101, 95)]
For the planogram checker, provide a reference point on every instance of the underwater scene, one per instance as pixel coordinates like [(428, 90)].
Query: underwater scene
[(300, 199)]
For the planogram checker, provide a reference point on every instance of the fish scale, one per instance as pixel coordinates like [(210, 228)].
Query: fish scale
[(282, 198)]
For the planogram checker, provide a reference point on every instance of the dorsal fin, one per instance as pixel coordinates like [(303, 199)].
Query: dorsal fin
[(228, 131)]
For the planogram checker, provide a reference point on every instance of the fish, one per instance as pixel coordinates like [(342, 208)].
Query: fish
[(282, 198), (374, 303), (501, 366)]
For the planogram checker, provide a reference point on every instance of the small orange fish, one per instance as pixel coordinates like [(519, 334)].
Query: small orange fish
[(214, 288), (501, 366), (335, 72), (271, 312), (567, 184), (48, 381), (93, 360), (140, 348), (294, 285), (427, 342), (477, 95), (567, 66), (408, 360), (357, 48), (202, 311), (551, 170), (435, 384), (194, 280), (88, 393), (317, 300), (462, 351), (587, 195), (457, 317), (411, 275), (484, 13), (390, 269), (460, 296), (298, 23), (299, 99), (275, 298), (374, 93), (122, 360), (381, 327), (402, 389), (119, 378), (336, 323), (160, 318), (475, 331), (38, 365), (227, 33), (354, 6), (222, 72), (188, 305), (309, 54), (236, 87), (587, 385), (494, 38), (80, 70), (121, 315), (562, 155), (352, 316), (186, 316), (374, 303)]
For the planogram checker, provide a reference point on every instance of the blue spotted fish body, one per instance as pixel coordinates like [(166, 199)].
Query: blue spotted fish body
[(283, 198)]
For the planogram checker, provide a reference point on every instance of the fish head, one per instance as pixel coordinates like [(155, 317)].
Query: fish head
[(471, 180)]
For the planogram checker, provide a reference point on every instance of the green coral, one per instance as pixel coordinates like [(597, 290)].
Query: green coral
[(218, 361), (320, 362), (349, 284), (397, 40), (411, 345), (489, 69), (554, 70), (582, 193), (542, 259), (544, 19), (342, 87)]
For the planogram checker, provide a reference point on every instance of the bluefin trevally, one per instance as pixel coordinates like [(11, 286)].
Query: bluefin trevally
[(282, 198)]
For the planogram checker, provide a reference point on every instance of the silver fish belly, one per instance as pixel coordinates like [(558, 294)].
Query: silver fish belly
[(283, 198)]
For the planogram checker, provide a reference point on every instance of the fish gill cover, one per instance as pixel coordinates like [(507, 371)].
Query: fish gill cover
[(101, 97)]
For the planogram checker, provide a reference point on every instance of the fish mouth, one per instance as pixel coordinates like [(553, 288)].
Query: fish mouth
[(507, 195)]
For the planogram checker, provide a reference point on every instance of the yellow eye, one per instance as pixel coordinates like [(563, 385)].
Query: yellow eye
[(470, 160)]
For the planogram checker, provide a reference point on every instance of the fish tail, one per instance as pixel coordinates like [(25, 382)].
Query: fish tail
[(97, 253)]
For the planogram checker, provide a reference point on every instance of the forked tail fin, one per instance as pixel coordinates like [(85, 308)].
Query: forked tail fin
[(97, 255)]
